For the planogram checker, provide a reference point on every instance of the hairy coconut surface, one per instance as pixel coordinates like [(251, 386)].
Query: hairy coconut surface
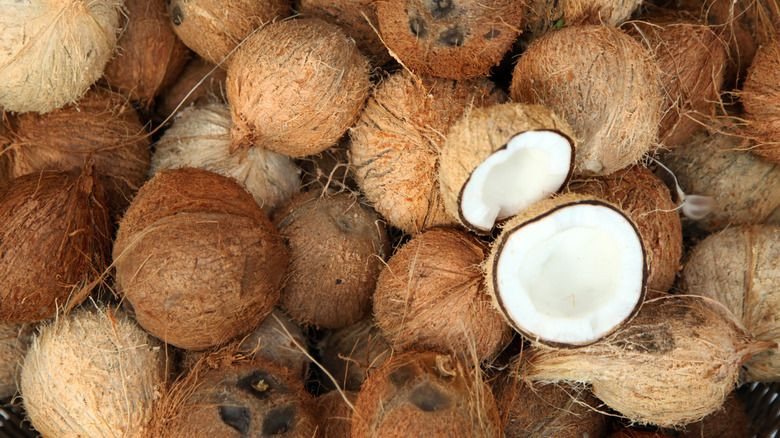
[(212, 28), (319, 79), (200, 137), (738, 268), (425, 394), (637, 433), (197, 259), (93, 373), (14, 340), (431, 295), (761, 98), (199, 83), (730, 421), (53, 243), (673, 364), (5, 154), (337, 248), (350, 353), (614, 81), (396, 142), (334, 414), (545, 15), (455, 39)]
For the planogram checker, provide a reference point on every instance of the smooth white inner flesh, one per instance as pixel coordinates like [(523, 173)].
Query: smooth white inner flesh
[(533, 166), (572, 276)]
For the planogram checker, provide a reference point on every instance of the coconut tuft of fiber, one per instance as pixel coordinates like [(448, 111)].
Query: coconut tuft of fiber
[(351, 353)]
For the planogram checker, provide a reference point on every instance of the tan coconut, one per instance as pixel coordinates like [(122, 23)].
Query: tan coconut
[(431, 295), (450, 39), (53, 243), (212, 28), (543, 16), (737, 267), (396, 142), (334, 414), (200, 137), (197, 259), (93, 373), (199, 83), (351, 353), (730, 421), (53, 50), (425, 394), (614, 82), (319, 81), (761, 98), (337, 248), (14, 340)]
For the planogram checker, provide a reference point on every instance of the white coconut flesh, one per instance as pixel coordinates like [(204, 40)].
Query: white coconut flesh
[(571, 276), (532, 166)]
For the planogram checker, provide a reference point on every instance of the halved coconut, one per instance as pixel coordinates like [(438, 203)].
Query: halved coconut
[(568, 271)]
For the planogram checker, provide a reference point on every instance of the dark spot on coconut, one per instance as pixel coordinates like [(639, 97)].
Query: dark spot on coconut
[(261, 384), (647, 339), (492, 33), (428, 398), (237, 417), (440, 8), (453, 37), (339, 281), (417, 27), (177, 16), (279, 420), (402, 375)]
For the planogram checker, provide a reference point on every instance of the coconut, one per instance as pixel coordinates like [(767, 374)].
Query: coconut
[(92, 373), (614, 82), (396, 143), (149, 55), (349, 354), (545, 15), (761, 98), (425, 394), (52, 51), (320, 82), (337, 248), (431, 295), (647, 201), (335, 415), (673, 364), (729, 421), (498, 160), (200, 137), (744, 189), (53, 243), (198, 84), (5, 154), (197, 260), (738, 268), (331, 169), (14, 340), (213, 28), (636, 433)]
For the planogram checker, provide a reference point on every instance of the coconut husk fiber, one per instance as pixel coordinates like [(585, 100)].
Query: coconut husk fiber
[(334, 414), (14, 340), (199, 83), (543, 16), (761, 99), (351, 353)]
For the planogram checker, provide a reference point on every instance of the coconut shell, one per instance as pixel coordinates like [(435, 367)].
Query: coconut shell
[(149, 55), (614, 81), (53, 243), (198, 84), (212, 28), (93, 373), (337, 248), (311, 106), (200, 137), (543, 16), (451, 39), (395, 144), (425, 394), (349, 354), (14, 340), (334, 414), (761, 98), (179, 295), (738, 268), (730, 421)]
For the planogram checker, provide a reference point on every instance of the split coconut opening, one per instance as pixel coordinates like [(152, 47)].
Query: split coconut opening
[(572, 275), (532, 166)]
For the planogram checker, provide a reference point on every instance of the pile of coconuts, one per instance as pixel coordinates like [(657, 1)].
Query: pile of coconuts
[(311, 218)]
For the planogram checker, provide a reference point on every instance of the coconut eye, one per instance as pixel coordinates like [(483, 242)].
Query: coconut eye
[(440, 8), (429, 398), (236, 417), (453, 37), (279, 420), (417, 27)]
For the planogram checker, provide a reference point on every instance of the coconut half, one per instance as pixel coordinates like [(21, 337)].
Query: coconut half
[(569, 271)]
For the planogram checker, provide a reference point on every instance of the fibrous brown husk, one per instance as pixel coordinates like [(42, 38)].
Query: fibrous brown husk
[(636, 433), (319, 81), (197, 259), (5, 154), (349, 354), (450, 39), (396, 142), (53, 243), (14, 341), (761, 98), (730, 421), (614, 82), (198, 84), (543, 16), (334, 414)]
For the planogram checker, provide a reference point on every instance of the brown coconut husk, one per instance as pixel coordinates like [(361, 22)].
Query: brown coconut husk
[(14, 341), (334, 414), (176, 294), (93, 373), (451, 39), (5, 154), (311, 107), (149, 55), (615, 83), (543, 16), (53, 243), (730, 421), (425, 394), (636, 433), (673, 364), (199, 83), (396, 142), (761, 99), (351, 353), (737, 267)]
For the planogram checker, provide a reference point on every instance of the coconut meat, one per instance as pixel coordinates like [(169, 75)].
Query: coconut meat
[(532, 166), (573, 275)]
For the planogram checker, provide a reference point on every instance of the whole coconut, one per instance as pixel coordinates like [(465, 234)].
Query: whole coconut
[(197, 259), (51, 51), (396, 142), (199, 83), (730, 421), (319, 81), (545, 15), (334, 414), (457, 39), (14, 340), (350, 353), (200, 137), (761, 98), (614, 82), (53, 243), (93, 373)]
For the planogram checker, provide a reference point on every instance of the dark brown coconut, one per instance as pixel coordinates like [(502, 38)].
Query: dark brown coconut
[(197, 259), (334, 414), (199, 83), (53, 243), (730, 421), (761, 98), (349, 354), (14, 340), (320, 82), (425, 394)]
